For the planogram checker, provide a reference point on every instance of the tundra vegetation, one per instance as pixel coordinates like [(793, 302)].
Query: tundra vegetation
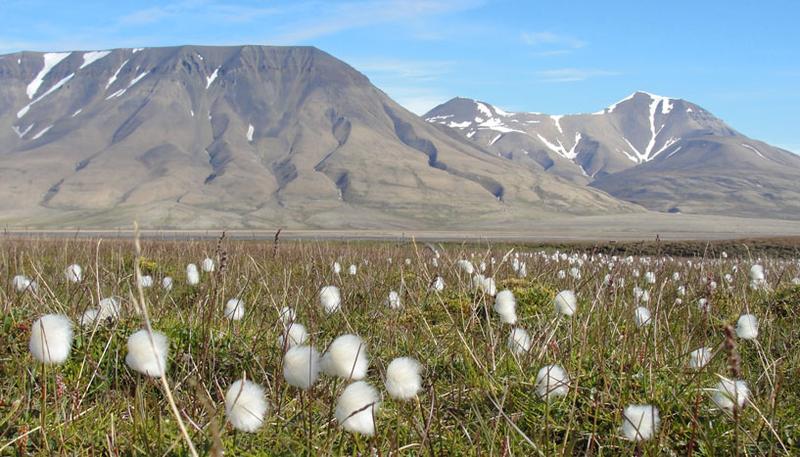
[(272, 348)]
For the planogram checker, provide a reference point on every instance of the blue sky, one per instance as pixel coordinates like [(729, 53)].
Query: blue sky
[(739, 59)]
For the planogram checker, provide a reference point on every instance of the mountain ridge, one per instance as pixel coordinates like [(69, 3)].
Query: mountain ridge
[(243, 136), (646, 149)]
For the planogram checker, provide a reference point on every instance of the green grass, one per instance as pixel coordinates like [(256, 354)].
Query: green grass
[(477, 399)]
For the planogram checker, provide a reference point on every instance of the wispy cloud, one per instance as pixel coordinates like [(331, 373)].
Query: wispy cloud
[(418, 100), (564, 75), (549, 44), (208, 9), (408, 70), (415, 84), (331, 17)]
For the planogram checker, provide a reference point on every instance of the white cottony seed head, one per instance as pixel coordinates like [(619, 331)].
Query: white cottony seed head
[(245, 405), (699, 358), (192, 275), (147, 356), (552, 382), (23, 283), (505, 305), (356, 408), (74, 273), (519, 342), (108, 308), (146, 281), (295, 333), (301, 366), (488, 286), (729, 392), (642, 316), (466, 266), (757, 273), (640, 422), (287, 315), (234, 309), (346, 358), (89, 317), (51, 338), (330, 299), (438, 284), (393, 300), (566, 302), (403, 380), (747, 327)]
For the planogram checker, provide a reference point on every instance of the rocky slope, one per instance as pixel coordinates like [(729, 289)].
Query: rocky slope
[(244, 136), (663, 153)]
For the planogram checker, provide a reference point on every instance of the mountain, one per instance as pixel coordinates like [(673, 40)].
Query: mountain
[(243, 136), (663, 153)]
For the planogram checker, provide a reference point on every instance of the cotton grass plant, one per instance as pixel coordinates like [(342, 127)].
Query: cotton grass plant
[(446, 373)]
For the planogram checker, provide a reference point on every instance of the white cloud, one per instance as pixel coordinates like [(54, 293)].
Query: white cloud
[(422, 104), (208, 9), (418, 100), (411, 83), (563, 75), (416, 70), (336, 17), (548, 39)]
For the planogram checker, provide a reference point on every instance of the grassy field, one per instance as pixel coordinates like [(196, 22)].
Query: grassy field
[(478, 397)]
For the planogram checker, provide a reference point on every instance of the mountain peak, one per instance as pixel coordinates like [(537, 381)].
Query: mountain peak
[(640, 95), (661, 103)]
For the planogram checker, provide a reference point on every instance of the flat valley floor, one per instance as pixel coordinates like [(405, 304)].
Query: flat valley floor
[(625, 227)]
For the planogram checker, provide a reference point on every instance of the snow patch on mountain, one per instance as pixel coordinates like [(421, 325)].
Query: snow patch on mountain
[(656, 101), (55, 87), (51, 59), (116, 73), (653, 110), (672, 140), (557, 120), (673, 152), (135, 80), (637, 156), (20, 133), (753, 148), (497, 125), (559, 148), (210, 79), (91, 57), (42, 132), (484, 109), (503, 113)]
